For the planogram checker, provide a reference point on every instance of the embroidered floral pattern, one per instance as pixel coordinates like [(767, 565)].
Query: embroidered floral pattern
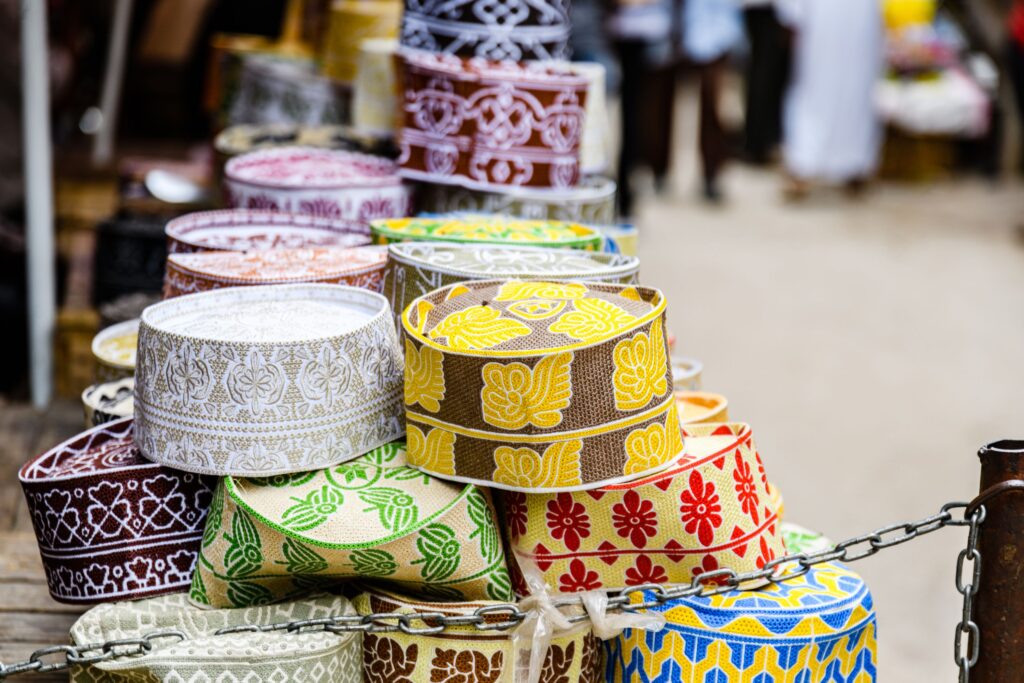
[(745, 490), (701, 509), (578, 579), (567, 520), (385, 661), (645, 571), (327, 378), (424, 377), (651, 447), (515, 513), (440, 550), (434, 453), (635, 518), (255, 382), (640, 367), (519, 290), (478, 327), (515, 396), (465, 666), (313, 510), (525, 468), (557, 663), (591, 320)]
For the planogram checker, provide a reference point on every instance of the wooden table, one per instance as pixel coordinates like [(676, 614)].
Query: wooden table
[(29, 617)]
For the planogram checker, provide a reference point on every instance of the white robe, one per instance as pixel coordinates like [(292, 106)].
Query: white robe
[(832, 130)]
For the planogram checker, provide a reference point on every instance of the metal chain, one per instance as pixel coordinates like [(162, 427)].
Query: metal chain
[(967, 658), (507, 616)]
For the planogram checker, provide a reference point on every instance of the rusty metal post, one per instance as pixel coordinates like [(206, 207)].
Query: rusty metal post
[(999, 605)]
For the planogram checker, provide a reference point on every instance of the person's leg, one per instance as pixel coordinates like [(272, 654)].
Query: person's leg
[(713, 144), (758, 122), (631, 61)]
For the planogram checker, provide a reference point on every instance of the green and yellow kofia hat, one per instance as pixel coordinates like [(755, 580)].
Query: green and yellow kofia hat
[(484, 229), (279, 537), (539, 386)]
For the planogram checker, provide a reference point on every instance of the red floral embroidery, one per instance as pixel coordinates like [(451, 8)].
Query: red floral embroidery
[(645, 571), (578, 579), (745, 488), (568, 519), (700, 509), (515, 513), (760, 468), (767, 554), (635, 518), (707, 565)]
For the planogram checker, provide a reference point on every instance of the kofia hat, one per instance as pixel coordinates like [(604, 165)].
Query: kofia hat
[(278, 537), (190, 273), (108, 401), (114, 350), (539, 386), (711, 508), (482, 229), (192, 650), (110, 524), (818, 627), (464, 653), (245, 230), (418, 268), (253, 381), (320, 182)]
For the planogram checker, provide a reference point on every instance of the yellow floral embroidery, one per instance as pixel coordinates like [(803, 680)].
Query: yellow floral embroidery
[(514, 396), (630, 293), (424, 377), (525, 468), (536, 309), (650, 448), (517, 290), (434, 453), (478, 327), (593, 320), (640, 367)]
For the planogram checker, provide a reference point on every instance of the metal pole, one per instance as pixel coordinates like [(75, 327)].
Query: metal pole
[(110, 99), (999, 605), (35, 110)]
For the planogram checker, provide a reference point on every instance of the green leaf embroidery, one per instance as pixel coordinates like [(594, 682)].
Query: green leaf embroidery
[(308, 584), (245, 554), (354, 475), (440, 549), (313, 510), (280, 481), (247, 594), (386, 454), (213, 520), (406, 474), (373, 562), (198, 591), (500, 585), (396, 508), (486, 529), (301, 560)]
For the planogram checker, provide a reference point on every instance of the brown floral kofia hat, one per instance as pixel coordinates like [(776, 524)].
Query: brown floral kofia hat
[(464, 653), (539, 386)]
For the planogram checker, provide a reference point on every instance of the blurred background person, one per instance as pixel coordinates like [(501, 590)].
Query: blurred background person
[(712, 29), (767, 75), (831, 129)]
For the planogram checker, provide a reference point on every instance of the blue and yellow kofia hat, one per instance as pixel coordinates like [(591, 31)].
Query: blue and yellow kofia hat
[(819, 627)]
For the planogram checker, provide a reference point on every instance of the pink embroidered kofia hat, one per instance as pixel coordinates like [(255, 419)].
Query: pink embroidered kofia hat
[(321, 182), (251, 230), (360, 267)]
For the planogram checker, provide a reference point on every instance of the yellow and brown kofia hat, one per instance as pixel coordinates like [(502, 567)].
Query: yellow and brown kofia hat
[(539, 386)]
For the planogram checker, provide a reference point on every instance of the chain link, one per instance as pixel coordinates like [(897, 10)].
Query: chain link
[(504, 617)]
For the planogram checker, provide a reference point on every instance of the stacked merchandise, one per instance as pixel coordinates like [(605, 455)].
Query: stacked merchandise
[(296, 456)]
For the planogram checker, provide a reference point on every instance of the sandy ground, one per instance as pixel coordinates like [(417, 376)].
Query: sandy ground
[(873, 346)]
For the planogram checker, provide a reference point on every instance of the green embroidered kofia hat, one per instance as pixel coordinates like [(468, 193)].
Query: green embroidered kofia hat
[(464, 653), (279, 537), (486, 230), (200, 655), (539, 386)]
